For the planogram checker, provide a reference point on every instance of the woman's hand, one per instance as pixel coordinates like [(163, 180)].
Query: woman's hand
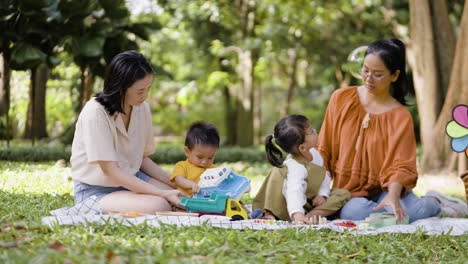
[(172, 196), (393, 200), (319, 200)]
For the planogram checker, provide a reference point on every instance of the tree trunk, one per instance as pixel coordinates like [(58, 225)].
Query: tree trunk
[(457, 90), (5, 76), (292, 80), (85, 93), (86, 89), (244, 120), (422, 58), (257, 115), (256, 100), (230, 117), (245, 71), (36, 118), (444, 44)]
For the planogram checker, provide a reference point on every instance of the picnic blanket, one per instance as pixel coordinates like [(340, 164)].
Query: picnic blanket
[(88, 211)]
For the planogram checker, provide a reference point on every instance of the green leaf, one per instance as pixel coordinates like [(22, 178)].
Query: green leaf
[(34, 6), (115, 9), (80, 8), (54, 61), (26, 56), (217, 79), (88, 46), (143, 30)]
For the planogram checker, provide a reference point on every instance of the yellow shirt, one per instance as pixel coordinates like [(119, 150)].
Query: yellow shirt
[(189, 172)]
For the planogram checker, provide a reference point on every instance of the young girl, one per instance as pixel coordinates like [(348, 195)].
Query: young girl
[(298, 187)]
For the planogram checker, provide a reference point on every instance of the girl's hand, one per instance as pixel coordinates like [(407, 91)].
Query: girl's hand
[(299, 218), (195, 188), (318, 200), (394, 202), (172, 196)]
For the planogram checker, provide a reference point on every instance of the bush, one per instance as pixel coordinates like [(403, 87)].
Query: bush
[(225, 154), (38, 153), (164, 154)]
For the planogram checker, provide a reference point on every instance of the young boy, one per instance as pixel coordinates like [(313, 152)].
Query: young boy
[(201, 144)]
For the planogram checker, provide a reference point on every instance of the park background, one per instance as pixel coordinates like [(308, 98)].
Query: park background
[(240, 64)]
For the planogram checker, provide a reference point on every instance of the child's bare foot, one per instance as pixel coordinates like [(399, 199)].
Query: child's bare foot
[(268, 216)]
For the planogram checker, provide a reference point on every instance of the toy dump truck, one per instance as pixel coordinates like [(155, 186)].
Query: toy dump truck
[(218, 203)]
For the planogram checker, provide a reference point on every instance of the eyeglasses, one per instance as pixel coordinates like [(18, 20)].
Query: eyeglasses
[(377, 77)]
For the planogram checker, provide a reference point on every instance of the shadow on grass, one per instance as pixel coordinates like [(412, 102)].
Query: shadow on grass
[(23, 206)]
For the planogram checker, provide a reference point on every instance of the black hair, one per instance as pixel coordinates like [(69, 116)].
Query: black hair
[(202, 133), (288, 134), (392, 52), (124, 70)]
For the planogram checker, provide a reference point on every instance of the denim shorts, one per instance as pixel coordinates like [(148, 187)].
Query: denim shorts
[(83, 191)]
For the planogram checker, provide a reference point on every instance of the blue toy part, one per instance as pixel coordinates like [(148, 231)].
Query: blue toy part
[(233, 185), (460, 144)]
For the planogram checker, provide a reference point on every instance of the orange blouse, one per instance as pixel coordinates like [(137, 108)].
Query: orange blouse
[(366, 152)]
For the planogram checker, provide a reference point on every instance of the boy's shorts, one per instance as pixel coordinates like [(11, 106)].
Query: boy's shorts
[(83, 191)]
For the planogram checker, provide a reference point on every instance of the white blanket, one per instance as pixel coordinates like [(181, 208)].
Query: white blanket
[(88, 212)]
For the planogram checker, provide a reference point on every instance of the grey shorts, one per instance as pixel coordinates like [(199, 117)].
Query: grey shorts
[(83, 191)]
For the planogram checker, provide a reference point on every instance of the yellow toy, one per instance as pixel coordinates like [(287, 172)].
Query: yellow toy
[(218, 203), (234, 209)]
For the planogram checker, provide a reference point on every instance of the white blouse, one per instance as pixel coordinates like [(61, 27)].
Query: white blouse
[(295, 183)]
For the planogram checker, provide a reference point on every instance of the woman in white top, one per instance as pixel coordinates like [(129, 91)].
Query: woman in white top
[(113, 139)]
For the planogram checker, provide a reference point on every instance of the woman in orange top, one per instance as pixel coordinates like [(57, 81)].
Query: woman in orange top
[(368, 144)]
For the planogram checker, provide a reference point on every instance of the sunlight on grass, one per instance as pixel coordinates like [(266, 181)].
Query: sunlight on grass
[(449, 184), (49, 177), (37, 178)]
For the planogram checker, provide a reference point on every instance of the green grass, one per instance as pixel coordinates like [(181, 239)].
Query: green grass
[(30, 190)]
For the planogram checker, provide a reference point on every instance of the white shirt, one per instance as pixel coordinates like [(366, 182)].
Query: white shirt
[(101, 137), (295, 184)]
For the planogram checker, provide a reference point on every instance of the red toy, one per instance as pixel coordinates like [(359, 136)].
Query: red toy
[(346, 224)]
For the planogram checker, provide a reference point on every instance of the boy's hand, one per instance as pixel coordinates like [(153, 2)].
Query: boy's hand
[(195, 188), (319, 200)]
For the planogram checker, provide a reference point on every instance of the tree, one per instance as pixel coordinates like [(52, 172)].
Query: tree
[(294, 51), (225, 32), (33, 49), (6, 8), (98, 31), (440, 68)]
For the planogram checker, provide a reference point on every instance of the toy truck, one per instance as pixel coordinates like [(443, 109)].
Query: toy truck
[(377, 220), (218, 203), (222, 180)]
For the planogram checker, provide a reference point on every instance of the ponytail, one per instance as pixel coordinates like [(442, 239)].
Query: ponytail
[(289, 134), (273, 153), (400, 86)]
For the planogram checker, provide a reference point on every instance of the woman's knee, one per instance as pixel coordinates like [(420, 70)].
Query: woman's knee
[(126, 201), (358, 208), (158, 204)]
